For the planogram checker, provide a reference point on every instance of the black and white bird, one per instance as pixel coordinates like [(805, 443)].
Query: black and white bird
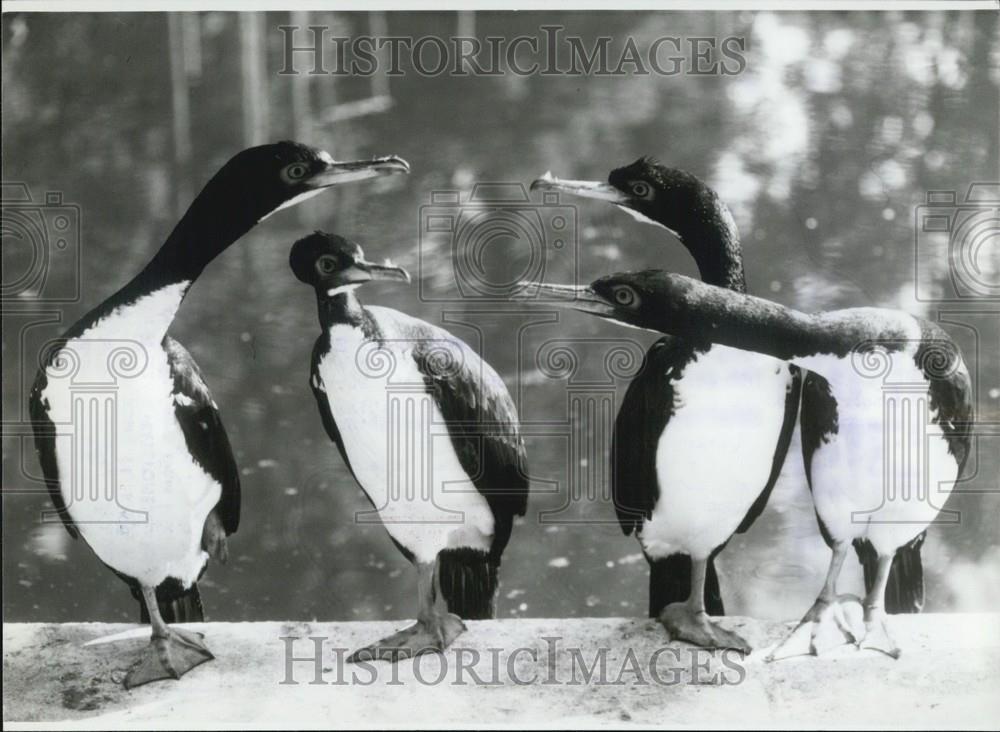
[(703, 429), (895, 462), (170, 492), (429, 432)]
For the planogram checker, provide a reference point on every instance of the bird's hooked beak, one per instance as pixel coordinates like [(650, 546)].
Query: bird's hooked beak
[(574, 297), (337, 172), (582, 188), (364, 271)]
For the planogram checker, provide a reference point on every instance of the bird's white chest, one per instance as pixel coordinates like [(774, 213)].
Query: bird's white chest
[(126, 476), (715, 455), (398, 445), (886, 471)]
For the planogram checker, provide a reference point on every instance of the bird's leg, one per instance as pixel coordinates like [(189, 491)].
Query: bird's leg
[(831, 621), (171, 652), (434, 630), (877, 634), (689, 622)]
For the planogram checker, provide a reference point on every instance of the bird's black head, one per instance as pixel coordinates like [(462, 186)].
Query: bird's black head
[(697, 312), (676, 200), (653, 193), (333, 264), (670, 197), (640, 299), (261, 180)]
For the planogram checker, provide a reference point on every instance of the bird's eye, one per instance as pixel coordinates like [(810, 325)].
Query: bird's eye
[(625, 296), (641, 189), (296, 171), (326, 265)]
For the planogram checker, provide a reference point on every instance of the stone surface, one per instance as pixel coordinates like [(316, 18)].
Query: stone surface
[(511, 672)]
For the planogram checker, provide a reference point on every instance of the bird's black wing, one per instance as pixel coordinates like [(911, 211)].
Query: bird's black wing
[(204, 434), (482, 422), (950, 388), (792, 398), (45, 448), (318, 389), (645, 411)]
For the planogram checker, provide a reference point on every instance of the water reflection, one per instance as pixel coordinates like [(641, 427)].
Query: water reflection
[(823, 147)]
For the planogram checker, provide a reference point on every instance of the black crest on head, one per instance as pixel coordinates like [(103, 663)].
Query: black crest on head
[(668, 185)]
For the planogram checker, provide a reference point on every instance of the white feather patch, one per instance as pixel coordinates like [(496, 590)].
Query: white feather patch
[(887, 471), (714, 457), (126, 476), (343, 288), (642, 218), (397, 441), (293, 202)]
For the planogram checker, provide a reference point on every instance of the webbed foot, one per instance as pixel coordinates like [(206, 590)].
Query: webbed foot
[(825, 626), (684, 623), (424, 636), (169, 657), (877, 636)]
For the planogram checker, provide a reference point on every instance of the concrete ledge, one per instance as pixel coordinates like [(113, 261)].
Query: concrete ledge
[(947, 678)]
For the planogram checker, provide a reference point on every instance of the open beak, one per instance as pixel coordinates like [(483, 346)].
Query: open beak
[(582, 188), (575, 297), (337, 172), (364, 271)]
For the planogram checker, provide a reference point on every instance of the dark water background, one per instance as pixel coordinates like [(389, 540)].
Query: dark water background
[(823, 147)]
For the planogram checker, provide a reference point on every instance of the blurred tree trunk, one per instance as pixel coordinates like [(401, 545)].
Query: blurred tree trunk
[(181, 112), (253, 62), (300, 87)]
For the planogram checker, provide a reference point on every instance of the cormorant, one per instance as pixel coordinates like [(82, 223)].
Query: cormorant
[(868, 497), (172, 488), (429, 432)]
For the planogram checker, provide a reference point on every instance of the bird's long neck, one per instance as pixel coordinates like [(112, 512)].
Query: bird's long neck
[(692, 309), (711, 236), (201, 235), (341, 308)]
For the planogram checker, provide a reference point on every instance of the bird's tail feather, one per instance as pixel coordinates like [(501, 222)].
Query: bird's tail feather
[(469, 580), (176, 605), (905, 591), (670, 581)]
